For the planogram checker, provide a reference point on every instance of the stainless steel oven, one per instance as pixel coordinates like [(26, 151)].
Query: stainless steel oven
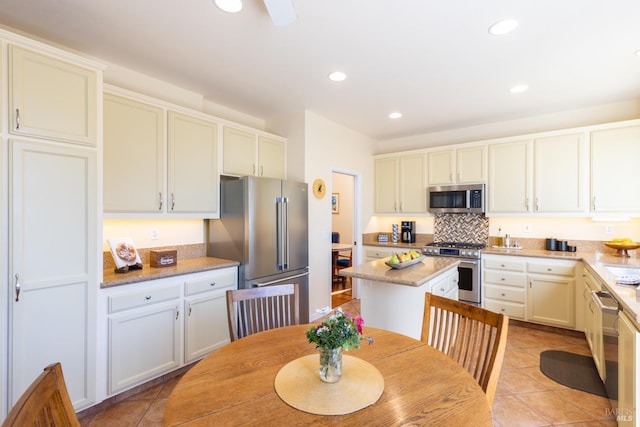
[(468, 270)]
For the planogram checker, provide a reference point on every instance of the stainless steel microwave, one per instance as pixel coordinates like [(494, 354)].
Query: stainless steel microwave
[(456, 198)]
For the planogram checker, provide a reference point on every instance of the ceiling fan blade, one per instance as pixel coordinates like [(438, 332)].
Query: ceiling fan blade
[(282, 12)]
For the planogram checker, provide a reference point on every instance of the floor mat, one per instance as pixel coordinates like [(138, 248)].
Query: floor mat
[(572, 370)]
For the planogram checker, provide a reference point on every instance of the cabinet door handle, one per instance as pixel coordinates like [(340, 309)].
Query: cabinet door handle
[(212, 284), (503, 294), (549, 269), (594, 203), (253, 169), (173, 201), (401, 206), (177, 313), (526, 204), (189, 312), (261, 170), (537, 204), (161, 201), (17, 119), (18, 288), (531, 284), (148, 297)]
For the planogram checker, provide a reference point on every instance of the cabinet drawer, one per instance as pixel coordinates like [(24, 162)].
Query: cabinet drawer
[(561, 270), (373, 253), (511, 309), (210, 281), (505, 293), (504, 264), (143, 298), (505, 278)]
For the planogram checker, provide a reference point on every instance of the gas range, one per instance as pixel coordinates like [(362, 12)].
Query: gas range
[(454, 249)]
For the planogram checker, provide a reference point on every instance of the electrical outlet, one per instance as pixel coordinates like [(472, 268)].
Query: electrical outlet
[(154, 234), (527, 228), (609, 230)]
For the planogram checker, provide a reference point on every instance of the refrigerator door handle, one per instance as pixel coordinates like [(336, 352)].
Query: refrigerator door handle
[(258, 285), (279, 229), (285, 234)]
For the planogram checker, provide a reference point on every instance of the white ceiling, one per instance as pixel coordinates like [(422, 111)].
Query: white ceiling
[(434, 61)]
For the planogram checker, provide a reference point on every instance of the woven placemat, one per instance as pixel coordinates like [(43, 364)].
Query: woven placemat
[(299, 385)]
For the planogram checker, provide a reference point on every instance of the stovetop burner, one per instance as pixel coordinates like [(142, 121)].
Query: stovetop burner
[(457, 245)]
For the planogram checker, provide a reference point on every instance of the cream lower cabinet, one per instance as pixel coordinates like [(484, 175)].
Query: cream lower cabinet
[(206, 326), (446, 285), (551, 292), (592, 319), (531, 289), (628, 372), (145, 334), (373, 253), (504, 285), (160, 325)]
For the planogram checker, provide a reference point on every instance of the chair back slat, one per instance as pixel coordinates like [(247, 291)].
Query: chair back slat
[(472, 336), (46, 402), (259, 309)]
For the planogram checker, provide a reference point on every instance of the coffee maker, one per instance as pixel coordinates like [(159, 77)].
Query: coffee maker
[(408, 231)]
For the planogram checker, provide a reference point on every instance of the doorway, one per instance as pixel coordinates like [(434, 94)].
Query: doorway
[(343, 227)]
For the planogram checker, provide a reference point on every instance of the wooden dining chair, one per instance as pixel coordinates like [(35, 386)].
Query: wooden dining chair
[(45, 403), (474, 337), (259, 309), (344, 260)]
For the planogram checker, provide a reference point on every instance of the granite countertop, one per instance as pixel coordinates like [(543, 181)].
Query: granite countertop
[(415, 275), (184, 266)]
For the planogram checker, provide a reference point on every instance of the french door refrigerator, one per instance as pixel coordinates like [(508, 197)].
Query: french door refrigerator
[(264, 225)]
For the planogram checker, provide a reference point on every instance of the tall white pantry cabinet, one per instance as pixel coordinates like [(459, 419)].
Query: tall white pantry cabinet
[(50, 216)]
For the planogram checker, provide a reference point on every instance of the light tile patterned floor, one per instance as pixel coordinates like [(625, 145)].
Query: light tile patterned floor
[(525, 396)]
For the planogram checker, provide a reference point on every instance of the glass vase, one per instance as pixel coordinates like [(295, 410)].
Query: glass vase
[(330, 364)]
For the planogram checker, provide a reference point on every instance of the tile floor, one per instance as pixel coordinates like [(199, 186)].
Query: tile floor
[(525, 397)]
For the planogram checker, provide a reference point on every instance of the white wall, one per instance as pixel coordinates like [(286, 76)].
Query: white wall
[(330, 146)]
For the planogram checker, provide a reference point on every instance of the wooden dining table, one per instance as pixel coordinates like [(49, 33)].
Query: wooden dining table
[(234, 385)]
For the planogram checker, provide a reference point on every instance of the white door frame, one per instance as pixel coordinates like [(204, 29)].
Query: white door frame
[(357, 230)]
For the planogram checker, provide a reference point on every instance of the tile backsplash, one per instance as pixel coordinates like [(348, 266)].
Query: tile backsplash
[(463, 228)]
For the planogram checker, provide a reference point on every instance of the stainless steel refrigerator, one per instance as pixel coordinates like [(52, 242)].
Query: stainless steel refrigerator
[(264, 225)]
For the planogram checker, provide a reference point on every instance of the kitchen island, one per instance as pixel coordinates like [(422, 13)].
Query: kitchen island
[(393, 299)]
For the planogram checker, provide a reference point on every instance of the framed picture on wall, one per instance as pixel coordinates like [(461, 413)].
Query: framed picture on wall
[(335, 203)]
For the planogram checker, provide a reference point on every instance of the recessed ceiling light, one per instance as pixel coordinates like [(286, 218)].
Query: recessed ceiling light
[(519, 89), (231, 6), (337, 76), (395, 115), (503, 27)]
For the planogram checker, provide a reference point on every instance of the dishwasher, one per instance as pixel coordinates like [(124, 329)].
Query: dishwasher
[(609, 309)]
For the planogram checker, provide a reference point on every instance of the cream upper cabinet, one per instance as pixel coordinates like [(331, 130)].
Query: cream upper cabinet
[(133, 156), (385, 185), (559, 169), (271, 157), (470, 164), (51, 98), (400, 184), (614, 164), (459, 166), (509, 177), (441, 167), (246, 153), (193, 165)]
